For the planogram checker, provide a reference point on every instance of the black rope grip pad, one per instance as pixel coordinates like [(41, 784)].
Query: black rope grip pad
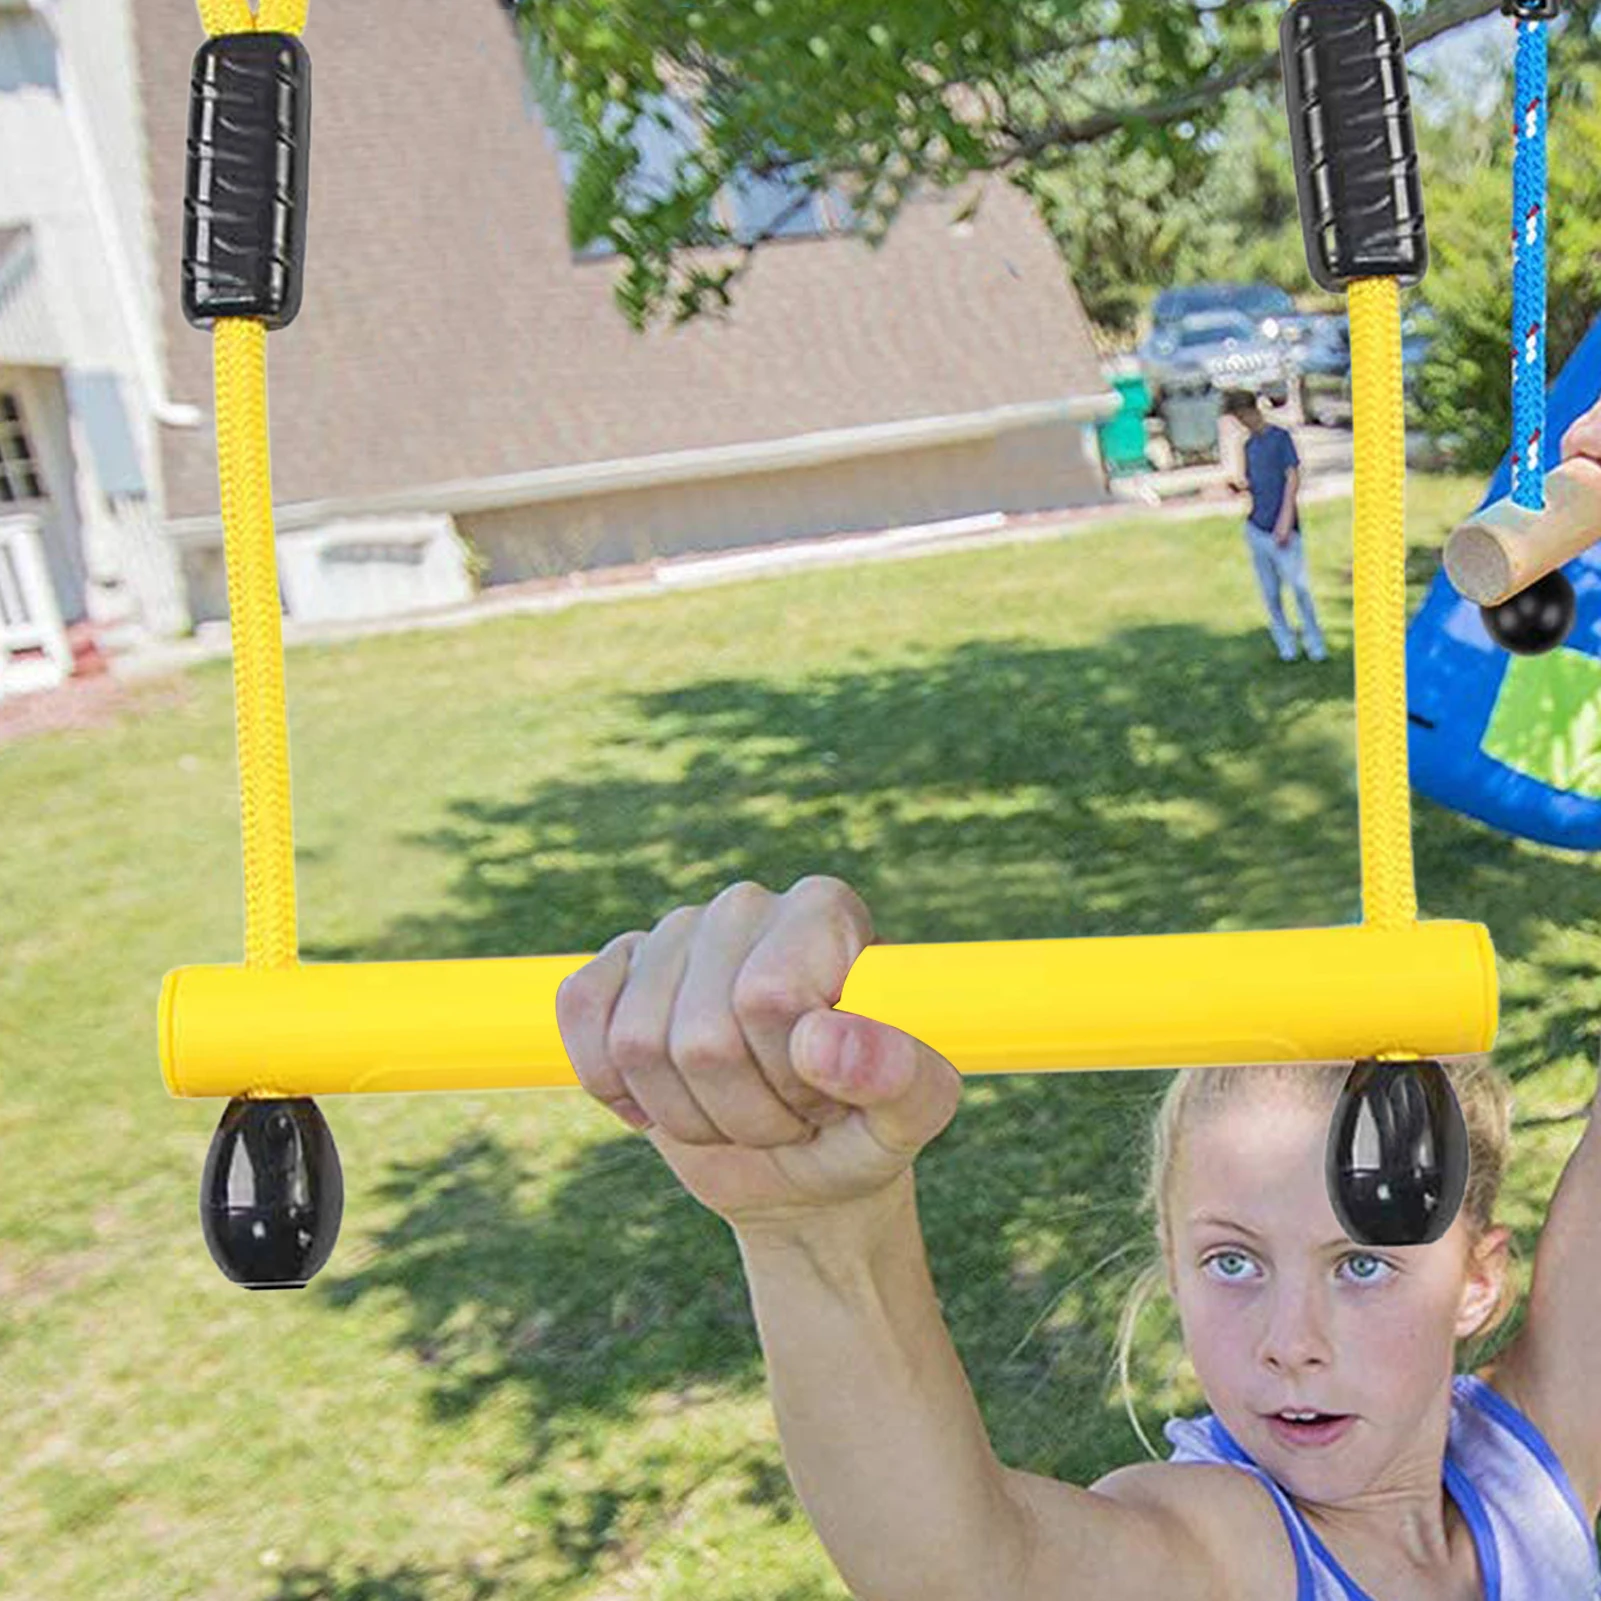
[(244, 210), (1356, 164)]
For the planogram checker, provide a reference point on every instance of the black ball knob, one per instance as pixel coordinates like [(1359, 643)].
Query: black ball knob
[(272, 1193), (1397, 1156), (1536, 619)]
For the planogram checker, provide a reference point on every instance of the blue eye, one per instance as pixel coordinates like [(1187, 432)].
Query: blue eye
[(1224, 1256), (1377, 1263)]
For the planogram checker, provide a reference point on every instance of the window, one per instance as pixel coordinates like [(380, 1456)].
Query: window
[(780, 204), (19, 470), (785, 206), (1209, 330), (665, 136), (669, 134)]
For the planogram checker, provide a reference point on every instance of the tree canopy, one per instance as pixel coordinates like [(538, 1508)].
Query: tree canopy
[(871, 100)]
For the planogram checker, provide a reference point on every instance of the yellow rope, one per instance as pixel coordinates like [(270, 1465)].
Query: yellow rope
[(1384, 796), (226, 16), (1389, 897), (281, 16), (244, 475), (239, 347), (1378, 624), (233, 16)]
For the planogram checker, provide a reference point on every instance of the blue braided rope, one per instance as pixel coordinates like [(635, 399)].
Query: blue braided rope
[(1528, 267)]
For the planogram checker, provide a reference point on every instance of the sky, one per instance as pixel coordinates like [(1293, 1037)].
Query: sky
[(1477, 55)]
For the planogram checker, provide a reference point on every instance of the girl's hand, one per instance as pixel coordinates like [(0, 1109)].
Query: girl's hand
[(716, 1034), (1584, 437)]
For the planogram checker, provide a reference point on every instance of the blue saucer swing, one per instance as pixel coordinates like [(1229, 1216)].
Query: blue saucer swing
[(1515, 741)]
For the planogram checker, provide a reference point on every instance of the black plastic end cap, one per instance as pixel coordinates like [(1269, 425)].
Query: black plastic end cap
[(272, 1194), (245, 194), (1532, 10), (1397, 1160), (1356, 164)]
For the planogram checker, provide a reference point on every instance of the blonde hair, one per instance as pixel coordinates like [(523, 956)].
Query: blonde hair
[(1486, 1100)]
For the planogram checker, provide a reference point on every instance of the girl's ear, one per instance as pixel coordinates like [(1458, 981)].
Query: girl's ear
[(1484, 1276)]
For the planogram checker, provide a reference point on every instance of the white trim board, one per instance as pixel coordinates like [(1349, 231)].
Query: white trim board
[(672, 467)]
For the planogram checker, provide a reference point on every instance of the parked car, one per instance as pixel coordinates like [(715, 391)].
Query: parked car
[(1323, 368), (1270, 308), (1221, 348), (1323, 364), (1298, 329)]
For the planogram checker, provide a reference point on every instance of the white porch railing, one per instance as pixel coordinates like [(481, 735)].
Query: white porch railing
[(34, 653)]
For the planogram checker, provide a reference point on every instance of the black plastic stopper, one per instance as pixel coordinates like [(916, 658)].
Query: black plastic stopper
[(244, 209), (1536, 619), (1356, 164), (272, 1193), (1397, 1156)]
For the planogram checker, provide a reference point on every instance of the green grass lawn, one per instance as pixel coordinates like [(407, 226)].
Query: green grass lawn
[(530, 1368)]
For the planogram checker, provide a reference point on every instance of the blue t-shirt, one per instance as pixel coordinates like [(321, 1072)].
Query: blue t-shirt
[(1269, 456)]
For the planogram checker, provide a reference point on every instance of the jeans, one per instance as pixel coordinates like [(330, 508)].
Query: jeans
[(1275, 566)]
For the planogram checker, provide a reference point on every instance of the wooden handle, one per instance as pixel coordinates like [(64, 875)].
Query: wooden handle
[(1504, 548)]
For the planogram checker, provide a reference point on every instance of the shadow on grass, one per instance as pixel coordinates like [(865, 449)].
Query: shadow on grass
[(1169, 779), (1119, 789)]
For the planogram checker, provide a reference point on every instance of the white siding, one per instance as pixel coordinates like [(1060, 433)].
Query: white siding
[(99, 298), (27, 331), (97, 39), (72, 173)]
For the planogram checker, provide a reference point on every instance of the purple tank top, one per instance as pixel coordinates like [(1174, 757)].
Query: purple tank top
[(1534, 1540)]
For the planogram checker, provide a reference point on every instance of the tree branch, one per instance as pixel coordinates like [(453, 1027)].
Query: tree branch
[(1438, 19)]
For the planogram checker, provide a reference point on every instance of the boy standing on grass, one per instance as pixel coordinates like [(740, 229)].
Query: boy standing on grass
[(1273, 529)]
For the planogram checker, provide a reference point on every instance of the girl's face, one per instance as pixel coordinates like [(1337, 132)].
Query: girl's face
[(1281, 1309)]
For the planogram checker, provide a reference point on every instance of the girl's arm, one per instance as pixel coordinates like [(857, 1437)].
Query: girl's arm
[(1552, 1369), (889, 1455)]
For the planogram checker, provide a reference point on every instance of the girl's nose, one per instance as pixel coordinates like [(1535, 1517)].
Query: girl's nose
[(1296, 1335)]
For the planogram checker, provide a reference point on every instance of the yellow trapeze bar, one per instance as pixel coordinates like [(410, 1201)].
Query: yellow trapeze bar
[(1006, 1006)]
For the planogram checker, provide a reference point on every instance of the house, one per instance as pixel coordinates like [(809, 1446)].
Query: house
[(82, 391), (459, 378)]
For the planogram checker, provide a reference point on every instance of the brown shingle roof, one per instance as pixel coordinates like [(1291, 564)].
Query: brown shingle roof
[(447, 334)]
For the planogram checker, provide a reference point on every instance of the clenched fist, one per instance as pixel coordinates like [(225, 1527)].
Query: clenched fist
[(716, 1034)]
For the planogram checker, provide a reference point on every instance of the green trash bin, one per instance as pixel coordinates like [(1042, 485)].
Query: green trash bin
[(1122, 435)]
